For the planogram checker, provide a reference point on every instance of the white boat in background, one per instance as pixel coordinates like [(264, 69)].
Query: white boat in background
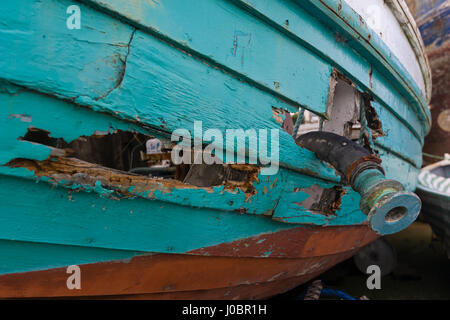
[(434, 189)]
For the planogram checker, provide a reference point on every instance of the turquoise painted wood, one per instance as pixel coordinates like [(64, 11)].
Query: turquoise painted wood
[(85, 219), (320, 35), (363, 38), (243, 35), (19, 256), (83, 122), (153, 67), (57, 115), (191, 100), (406, 145)]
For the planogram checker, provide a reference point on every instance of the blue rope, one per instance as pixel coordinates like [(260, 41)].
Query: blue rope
[(299, 121), (331, 292), (336, 293)]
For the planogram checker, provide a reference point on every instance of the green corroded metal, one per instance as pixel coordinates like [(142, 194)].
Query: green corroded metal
[(390, 209)]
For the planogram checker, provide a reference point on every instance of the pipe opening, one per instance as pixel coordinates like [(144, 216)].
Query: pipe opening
[(119, 156), (395, 214)]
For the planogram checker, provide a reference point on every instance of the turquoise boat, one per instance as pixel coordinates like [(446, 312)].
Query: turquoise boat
[(92, 92)]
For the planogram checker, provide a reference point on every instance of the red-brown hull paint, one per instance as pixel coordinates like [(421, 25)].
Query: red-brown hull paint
[(295, 243), (194, 276), (252, 291)]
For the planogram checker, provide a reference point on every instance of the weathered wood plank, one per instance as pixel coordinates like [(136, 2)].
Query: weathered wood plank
[(83, 121), (397, 137), (398, 105), (44, 54), (291, 210), (171, 276), (164, 87), (255, 196), (235, 40), (20, 256), (21, 108), (340, 16), (399, 169), (329, 44), (296, 243), (181, 81), (85, 219)]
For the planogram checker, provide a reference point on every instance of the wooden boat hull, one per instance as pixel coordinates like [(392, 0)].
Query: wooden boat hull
[(74, 103)]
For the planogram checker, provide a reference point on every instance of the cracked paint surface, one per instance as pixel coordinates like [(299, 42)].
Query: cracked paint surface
[(146, 73)]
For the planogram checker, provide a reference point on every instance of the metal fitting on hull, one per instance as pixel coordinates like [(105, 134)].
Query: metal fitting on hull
[(388, 206)]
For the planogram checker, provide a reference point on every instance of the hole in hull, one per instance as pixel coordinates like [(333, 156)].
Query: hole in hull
[(133, 154)]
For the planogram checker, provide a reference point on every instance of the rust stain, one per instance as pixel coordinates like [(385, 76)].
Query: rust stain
[(62, 169), (354, 165), (76, 165), (380, 54), (336, 204), (273, 184), (373, 122), (241, 210), (321, 201)]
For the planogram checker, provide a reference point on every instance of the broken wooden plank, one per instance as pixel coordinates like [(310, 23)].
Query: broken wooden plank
[(85, 219)]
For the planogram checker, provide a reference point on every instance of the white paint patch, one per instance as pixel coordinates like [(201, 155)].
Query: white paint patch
[(380, 18)]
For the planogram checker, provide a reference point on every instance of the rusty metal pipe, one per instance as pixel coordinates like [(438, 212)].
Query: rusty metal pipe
[(388, 206)]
